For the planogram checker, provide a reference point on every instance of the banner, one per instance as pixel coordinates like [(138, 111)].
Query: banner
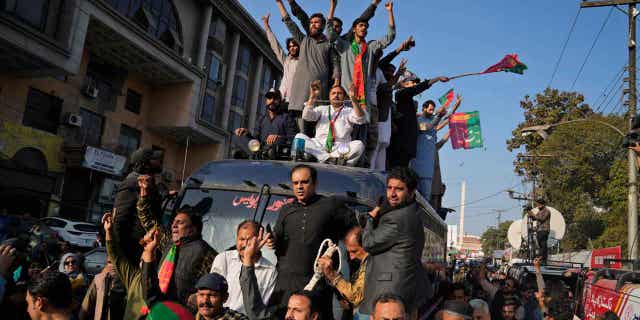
[(599, 255)]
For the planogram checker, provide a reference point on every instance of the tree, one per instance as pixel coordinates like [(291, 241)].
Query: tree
[(582, 173), (550, 107), (495, 238)]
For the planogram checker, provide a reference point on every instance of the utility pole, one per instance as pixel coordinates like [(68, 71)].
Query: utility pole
[(632, 213), (463, 191)]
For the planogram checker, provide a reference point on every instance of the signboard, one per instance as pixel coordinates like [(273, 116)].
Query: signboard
[(598, 257), (103, 161)]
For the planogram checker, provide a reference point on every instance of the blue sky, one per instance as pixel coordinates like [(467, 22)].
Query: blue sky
[(454, 37)]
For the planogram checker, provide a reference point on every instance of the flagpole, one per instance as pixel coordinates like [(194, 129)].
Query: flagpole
[(466, 75)]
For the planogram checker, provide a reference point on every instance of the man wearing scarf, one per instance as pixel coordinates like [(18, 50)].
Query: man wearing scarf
[(185, 256), (394, 239), (358, 65), (334, 124)]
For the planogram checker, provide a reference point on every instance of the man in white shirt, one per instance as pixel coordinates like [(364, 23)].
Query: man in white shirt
[(229, 264), (334, 123)]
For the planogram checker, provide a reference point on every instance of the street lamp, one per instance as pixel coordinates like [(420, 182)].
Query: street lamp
[(543, 130)]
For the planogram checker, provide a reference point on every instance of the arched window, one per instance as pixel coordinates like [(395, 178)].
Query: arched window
[(157, 17)]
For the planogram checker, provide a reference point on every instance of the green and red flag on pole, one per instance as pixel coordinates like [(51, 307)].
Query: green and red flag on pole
[(464, 130), (447, 98), (509, 63)]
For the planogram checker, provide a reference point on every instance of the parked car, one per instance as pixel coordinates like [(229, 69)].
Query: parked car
[(80, 234), (95, 260)]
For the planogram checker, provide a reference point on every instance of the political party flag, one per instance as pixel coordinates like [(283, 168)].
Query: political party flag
[(446, 99), (464, 130), (509, 63)]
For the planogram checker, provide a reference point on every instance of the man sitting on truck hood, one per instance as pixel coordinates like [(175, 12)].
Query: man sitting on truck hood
[(334, 124), (274, 127)]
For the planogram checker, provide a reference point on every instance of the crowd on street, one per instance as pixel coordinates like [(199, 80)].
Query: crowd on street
[(343, 98)]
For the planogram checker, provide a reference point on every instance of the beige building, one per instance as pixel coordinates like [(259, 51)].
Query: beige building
[(83, 83)]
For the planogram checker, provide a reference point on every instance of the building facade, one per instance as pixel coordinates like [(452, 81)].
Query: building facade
[(84, 83)]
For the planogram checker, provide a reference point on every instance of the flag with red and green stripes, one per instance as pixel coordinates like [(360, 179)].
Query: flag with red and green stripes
[(509, 63), (447, 98), (168, 310), (464, 130)]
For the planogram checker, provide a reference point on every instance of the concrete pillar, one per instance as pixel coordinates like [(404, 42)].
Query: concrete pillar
[(231, 73), (204, 34), (253, 99)]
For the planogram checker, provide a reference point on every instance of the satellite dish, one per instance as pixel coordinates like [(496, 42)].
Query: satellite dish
[(515, 234), (558, 226)]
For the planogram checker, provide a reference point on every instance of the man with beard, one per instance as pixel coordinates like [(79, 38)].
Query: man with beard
[(275, 127), (289, 61), (299, 230), (429, 122), (352, 290), (394, 238), (334, 124), (212, 294), (127, 228), (314, 59), (229, 263)]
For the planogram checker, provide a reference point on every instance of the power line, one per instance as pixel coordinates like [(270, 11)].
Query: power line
[(609, 87), (564, 47), (487, 197), (591, 49), (611, 98)]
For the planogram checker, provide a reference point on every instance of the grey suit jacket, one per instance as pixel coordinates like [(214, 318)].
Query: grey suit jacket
[(395, 247)]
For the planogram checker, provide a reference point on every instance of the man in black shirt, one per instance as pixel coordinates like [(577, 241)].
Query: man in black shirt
[(300, 228), (275, 127)]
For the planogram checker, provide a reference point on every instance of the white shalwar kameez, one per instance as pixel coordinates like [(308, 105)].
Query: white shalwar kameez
[(343, 126)]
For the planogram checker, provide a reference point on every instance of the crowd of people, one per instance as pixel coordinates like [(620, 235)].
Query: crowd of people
[(344, 99), (177, 275)]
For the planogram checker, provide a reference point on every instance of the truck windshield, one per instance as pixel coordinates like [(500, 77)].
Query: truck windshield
[(223, 210)]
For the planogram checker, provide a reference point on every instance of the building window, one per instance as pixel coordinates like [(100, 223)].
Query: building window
[(156, 17), (208, 109), (244, 60), (265, 85), (42, 111), (33, 12), (215, 72), (134, 101), (239, 95), (129, 140), (91, 129), (235, 120)]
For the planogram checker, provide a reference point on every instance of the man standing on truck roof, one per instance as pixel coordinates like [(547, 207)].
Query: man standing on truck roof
[(300, 229)]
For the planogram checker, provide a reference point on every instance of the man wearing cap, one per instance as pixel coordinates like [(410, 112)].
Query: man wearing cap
[(213, 292), (542, 227), (404, 139), (273, 128), (127, 228), (334, 124)]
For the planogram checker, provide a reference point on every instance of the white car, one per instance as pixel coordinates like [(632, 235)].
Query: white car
[(81, 234)]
